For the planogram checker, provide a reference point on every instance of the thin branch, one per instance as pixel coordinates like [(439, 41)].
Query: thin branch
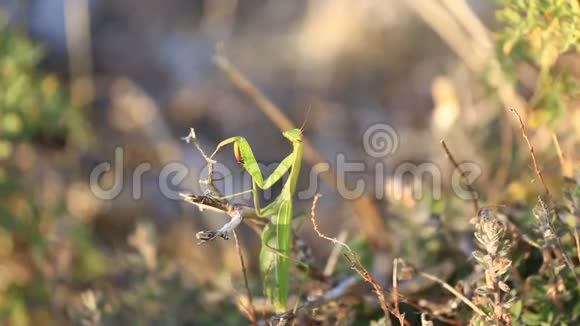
[(396, 311), (191, 138), (443, 23), (532, 153), (353, 258), (559, 150), (347, 287), (538, 171), (505, 160), (564, 165), (249, 216), (218, 204), (334, 254), (424, 321), (337, 292), (78, 42), (474, 194), (577, 240), (252, 310), (454, 292), (469, 20), (475, 52)]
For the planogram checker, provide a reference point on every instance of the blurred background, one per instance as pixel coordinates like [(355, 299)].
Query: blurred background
[(80, 78)]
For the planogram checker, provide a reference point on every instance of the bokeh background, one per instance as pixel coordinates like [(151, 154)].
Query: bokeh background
[(81, 78)]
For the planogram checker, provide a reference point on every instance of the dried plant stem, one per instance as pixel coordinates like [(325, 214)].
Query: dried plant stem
[(462, 31), (547, 192), (371, 222), (454, 292), (396, 311), (353, 258), (559, 151), (474, 194), (347, 285), (565, 166), (532, 153), (78, 41), (334, 254), (191, 138), (444, 24), (251, 310), (469, 21), (506, 157), (577, 240)]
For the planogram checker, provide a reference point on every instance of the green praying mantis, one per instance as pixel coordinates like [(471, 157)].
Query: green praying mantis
[(277, 235)]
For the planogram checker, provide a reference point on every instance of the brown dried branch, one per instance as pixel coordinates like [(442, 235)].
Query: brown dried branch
[(337, 292), (251, 309), (474, 194), (505, 160), (217, 204), (78, 42), (465, 35), (353, 258), (532, 153), (249, 217), (334, 254), (538, 171), (352, 287), (396, 311), (577, 240), (192, 138), (456, 293)]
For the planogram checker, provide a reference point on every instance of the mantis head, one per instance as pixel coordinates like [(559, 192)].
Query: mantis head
[(294, 135)]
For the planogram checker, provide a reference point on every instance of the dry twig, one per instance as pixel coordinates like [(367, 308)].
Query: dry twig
[(396, 311), (251, 309), (532, 153), (456, 293), (538, 171), (353, 258), (474, 194), (577, 240), (78, 42), (334, 254)]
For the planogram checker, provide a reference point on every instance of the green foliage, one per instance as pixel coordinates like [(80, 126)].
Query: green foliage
[(538, 32), (33, 109), (30, 102)]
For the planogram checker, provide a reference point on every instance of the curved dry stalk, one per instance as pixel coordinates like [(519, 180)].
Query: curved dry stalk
[(456, 293), (474, 194), (78, 42), (532, 153), (396, 311), (334, 254), (538, 171), (251, 309), (353, 258)]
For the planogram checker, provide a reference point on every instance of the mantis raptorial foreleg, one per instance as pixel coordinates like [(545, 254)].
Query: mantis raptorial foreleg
[(245, 156)]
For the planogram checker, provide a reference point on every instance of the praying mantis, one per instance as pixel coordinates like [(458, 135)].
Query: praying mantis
[(276, 235)]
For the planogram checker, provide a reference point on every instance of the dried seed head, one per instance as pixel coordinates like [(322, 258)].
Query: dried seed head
[(489, 231), (406, 270), (504, 287)]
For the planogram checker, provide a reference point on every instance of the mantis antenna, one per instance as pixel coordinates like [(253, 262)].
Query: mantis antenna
[(306, 118)]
